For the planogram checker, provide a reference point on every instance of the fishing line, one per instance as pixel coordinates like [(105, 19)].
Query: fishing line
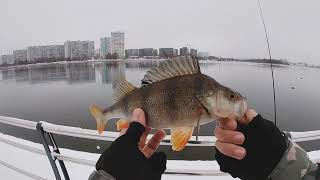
[(271, 65)]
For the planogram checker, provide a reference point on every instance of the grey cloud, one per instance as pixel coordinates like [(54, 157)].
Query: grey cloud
[(224, 28)]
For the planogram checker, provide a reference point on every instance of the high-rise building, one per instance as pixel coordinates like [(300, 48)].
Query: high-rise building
[(31, 51), (45, 53), (35, 53), (193, 52), (7, 59), (20, 56), (105, 46), (118, 43), (79, 50), (67, 50), (184, 51), (168, 52), (58, 52)]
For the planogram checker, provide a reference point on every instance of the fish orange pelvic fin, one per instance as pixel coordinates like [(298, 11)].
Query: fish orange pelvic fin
[(180, 137), (122, 123)]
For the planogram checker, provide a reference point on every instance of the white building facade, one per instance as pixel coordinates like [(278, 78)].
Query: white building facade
[(58, 51), (79, 50), (20, 56), (7, 59), (45, 53), (118, 43)]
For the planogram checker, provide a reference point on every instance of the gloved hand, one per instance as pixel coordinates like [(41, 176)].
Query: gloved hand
[(264, 146), (129, 157)]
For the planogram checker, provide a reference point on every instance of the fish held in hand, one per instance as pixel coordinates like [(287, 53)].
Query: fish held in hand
[(175, 95)]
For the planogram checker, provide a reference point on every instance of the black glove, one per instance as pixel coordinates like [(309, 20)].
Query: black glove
[(265, 146), (123, 159)]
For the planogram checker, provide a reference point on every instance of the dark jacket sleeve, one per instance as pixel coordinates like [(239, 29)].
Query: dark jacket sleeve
[(295, 165), (100, 175)]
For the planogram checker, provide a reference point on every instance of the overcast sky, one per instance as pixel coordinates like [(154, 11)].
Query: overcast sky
[(229, 28)]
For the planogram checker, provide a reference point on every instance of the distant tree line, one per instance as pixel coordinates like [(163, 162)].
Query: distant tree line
[(274, 61)]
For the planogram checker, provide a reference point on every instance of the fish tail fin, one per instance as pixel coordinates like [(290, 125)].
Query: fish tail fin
[(100, 117)]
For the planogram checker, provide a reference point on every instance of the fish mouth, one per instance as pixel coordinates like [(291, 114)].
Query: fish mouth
[(237, 112)]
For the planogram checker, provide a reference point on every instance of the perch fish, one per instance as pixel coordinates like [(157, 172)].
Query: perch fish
[(176, 96)]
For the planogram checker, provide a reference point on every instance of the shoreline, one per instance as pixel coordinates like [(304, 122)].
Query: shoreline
[(304, 65)]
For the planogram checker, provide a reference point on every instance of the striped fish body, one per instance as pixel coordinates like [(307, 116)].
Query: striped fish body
[(175, 95), (167, 104)]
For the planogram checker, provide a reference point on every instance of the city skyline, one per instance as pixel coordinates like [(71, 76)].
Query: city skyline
[(111, 47), (228, 28)]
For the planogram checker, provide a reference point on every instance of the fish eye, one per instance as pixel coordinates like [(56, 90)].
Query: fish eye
[(231, 96)]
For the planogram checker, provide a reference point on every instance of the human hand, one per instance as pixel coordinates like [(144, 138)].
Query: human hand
[(130, 157), (228, 139), (149, 148), (264, 145)]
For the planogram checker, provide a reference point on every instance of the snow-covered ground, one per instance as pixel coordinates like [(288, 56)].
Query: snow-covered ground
[(39, 165)]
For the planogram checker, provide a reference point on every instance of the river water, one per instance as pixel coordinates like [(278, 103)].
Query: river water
[(61, 94)]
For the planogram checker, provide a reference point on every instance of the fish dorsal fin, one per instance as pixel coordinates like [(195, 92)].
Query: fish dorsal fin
[(122, 89), (180, 137), (179, 66)]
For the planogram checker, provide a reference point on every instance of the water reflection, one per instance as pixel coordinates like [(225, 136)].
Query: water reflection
[(101, 73), (80, 72), (109, 73), (142, 64), (44, 74), (8, 75), (98, 72)]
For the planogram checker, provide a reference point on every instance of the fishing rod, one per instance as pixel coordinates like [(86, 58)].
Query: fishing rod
[(271, 65)]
